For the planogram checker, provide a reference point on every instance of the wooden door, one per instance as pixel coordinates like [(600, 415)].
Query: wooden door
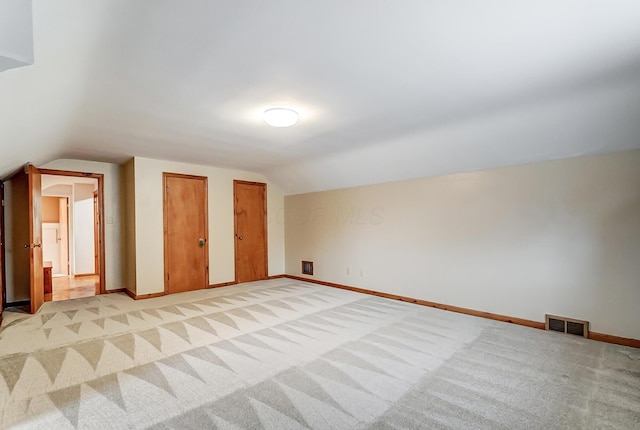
[(35, 234), (250, 208), (186, 255), (26, 202)]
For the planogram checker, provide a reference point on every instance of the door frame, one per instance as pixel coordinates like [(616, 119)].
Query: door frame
[(165, 217), (36, 281), (237, 182), (96, 234), (100, 178)]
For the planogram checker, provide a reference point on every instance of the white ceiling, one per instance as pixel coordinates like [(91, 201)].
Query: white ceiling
[(387, 90)]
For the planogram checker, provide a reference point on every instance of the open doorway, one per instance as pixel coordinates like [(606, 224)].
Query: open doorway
[(71, 235)]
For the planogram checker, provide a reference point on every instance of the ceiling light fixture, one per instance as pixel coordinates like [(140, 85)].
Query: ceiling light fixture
[(280, 117)]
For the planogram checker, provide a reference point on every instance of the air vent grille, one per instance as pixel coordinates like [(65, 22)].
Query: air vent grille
[(556, 325), (307, 267), (567, 325), (576, 328)]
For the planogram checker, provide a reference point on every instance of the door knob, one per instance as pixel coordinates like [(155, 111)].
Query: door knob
[(35, 245), (201, 242), (240, 237)]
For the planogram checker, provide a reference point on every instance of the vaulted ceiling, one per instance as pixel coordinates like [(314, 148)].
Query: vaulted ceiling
[(386, 90)]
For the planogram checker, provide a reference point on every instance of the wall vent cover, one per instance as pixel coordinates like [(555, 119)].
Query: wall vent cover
[(307, 267), (567, 325)]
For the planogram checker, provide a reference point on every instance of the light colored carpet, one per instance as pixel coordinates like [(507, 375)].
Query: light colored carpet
[(283, 354)]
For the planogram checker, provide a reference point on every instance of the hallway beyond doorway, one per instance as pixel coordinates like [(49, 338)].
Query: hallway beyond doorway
[(69, 287)]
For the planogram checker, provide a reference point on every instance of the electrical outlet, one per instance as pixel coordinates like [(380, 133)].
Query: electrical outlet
[(109, 220), (361, 272), (348, 271)]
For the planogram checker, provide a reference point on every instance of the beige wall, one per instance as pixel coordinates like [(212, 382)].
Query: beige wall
[(128, 193), (50, 209), (558, 237), (83, 229), (114, 255), (149, 256)]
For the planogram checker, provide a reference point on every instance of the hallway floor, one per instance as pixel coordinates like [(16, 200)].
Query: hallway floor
[(69, 287)]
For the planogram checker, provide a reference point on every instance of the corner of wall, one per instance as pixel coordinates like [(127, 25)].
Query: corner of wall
[(127, 175)]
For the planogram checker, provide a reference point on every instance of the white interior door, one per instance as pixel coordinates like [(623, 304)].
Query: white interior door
[(50, 247), (63, 205)]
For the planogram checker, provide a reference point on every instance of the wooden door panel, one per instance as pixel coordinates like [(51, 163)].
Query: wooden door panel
[(250, 231), (25, 205), (17, 252), (186, 247), (35, 234)]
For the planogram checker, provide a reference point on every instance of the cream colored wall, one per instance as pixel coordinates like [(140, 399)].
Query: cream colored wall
[(559, 237), (128, 193), (149, 222), (113, 240), (50, 209), (83, 229)]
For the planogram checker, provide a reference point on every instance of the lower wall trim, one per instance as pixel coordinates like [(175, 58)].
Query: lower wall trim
[(601, 337), (18, 304), (626, 341), (84, 275), (489, 315), (152, 295), (148, 296), (222, 284), (115, 290), (226, 284), (142, 296)]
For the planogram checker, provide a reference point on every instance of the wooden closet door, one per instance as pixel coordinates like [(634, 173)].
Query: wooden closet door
[(185, 232), (26, 207), (250, 209)]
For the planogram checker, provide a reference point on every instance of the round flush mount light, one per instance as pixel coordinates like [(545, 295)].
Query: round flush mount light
[(280, 117)]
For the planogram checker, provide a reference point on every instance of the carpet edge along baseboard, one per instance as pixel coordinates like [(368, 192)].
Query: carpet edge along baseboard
[(601, 337)]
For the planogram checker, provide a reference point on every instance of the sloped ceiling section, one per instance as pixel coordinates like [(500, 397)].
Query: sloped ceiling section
[(386, 90), (16, 35)]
